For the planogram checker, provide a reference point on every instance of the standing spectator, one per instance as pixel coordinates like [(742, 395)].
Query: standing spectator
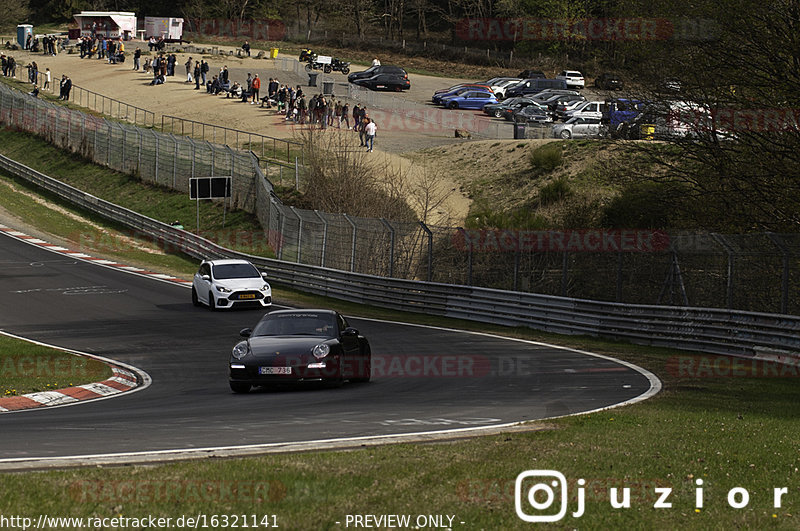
[(255, 86), (375, 62), (301, 109), (171, 60), (356, 116), (188, 65), (272, 88), (137, 56), (28, 42), (152, 43), (67, 88), (204, 69), (224, 74), (370, 129), (246, 48), (345, 116), (47, 79), (197, 74)]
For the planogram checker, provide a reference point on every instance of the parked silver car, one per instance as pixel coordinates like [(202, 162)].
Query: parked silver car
[(579, 128)]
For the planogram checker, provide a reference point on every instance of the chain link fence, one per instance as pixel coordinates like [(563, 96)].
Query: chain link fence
[(756, 272)]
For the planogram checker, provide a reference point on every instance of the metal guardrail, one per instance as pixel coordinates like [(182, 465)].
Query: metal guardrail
[(729, 332), (111, 107)]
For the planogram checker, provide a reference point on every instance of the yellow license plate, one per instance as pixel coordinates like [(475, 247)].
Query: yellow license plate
[(247, 296)]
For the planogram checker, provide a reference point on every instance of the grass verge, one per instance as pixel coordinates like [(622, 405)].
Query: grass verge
[(26, 368)]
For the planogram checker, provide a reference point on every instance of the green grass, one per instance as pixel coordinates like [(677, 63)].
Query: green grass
[(157, 202), (26, 367)]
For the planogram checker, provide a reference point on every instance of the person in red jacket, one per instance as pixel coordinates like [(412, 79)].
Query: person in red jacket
[(254, 89)]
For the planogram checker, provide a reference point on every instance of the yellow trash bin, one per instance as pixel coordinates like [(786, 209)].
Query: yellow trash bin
[(648, 131), (273, 53)]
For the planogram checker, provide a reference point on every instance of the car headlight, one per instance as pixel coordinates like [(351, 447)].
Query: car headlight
[(240, 350), (223, 289), (321, 350), (265, 287)]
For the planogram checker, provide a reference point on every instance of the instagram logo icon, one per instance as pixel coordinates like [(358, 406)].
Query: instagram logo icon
[(540, 496)]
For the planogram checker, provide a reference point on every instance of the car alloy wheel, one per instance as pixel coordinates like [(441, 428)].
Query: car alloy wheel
[(452, 105), (195, 301), (498, 113), (211, 305), (565, 134), (366, 367)]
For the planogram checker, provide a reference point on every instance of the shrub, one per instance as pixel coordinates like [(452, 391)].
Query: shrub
[(546, 158), (554, 192)]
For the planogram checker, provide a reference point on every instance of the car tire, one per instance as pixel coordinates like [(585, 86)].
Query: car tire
[(195, 300), (498, 114), (211, 305), (452, 105), (240, 388), (565, 134), (367, 370)]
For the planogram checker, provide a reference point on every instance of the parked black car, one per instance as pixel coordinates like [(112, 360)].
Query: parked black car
[(608, 81), (384, 82), (299, 345), (375, 70), (496, 109), (531, 114)]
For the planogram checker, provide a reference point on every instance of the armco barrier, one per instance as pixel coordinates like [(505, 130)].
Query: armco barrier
[(738, 333)]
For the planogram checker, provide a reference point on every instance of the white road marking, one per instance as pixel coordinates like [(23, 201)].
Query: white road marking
[(50, 398)]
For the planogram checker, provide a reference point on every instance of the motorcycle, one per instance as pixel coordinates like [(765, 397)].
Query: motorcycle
[(306, 55), (340, 66)]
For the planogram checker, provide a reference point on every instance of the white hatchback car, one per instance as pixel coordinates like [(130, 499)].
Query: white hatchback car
[(230, 283), (572, 78)]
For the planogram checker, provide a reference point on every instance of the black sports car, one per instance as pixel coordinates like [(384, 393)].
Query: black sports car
[(299, 345), (384, 82)]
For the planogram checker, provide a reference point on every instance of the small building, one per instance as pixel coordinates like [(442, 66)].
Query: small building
[(111, 24), (168, 28)]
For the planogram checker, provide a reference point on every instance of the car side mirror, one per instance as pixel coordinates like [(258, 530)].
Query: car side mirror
[(245, 332), (349, 332), (264, 276), (206, 277)]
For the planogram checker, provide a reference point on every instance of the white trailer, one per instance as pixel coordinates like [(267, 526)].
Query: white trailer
[(168, 28)]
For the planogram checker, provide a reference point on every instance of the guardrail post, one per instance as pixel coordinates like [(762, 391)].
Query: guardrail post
[(324, 237), (430, 250), (353, 245), (785, 273), (391, 246)]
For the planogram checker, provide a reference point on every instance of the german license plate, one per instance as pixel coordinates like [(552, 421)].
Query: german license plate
[(274, 370), (247, 296)]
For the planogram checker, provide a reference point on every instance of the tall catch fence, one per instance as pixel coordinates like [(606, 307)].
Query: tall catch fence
[(755, 272)]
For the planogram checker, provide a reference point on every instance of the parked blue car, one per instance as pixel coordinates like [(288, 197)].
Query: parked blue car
[(439, 95), (471, 99)]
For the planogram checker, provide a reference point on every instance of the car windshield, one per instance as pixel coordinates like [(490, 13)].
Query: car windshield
[(297, 324), (227, 271)]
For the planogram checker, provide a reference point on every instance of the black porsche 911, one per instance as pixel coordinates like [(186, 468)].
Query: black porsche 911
[(299, 345)]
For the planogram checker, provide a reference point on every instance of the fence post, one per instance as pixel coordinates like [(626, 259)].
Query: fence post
[(353, 245), (296, 175), (175, 164), (430, 250), (324, 237), (468, 245), (108, 143), (729, 285), (785, 273), (156, 166), (299, 234), (391, 246)]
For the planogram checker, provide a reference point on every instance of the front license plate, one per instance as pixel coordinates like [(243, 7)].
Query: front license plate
[(247, 296), (274, 370)]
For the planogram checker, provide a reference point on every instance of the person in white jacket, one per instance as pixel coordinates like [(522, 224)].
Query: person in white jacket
[(370, 130)]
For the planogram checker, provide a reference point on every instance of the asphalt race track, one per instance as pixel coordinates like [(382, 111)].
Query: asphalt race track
[(431, 379)]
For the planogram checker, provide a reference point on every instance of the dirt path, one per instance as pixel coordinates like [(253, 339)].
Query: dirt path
[(178, 98)]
